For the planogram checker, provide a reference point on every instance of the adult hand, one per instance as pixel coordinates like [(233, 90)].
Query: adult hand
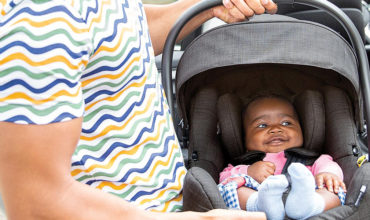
[(260, 170), (330, 181), (233, 214), (240, 10)]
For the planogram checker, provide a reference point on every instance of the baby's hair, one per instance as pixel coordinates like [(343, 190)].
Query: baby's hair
[(265, 95)]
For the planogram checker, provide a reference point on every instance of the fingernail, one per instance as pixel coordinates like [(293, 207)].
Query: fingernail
[(264, 2), (227, 4)]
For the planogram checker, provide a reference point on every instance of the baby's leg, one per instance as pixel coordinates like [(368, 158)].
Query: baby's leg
[(331, 200), (269, 197), (303, 201)]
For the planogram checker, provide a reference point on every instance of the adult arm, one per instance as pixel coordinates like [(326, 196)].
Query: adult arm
[(162, 17), (35, 179)]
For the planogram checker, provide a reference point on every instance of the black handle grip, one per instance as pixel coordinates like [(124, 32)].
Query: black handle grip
[(325, 5)]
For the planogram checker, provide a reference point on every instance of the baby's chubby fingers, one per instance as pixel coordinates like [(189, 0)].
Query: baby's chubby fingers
[(329, 183), (336, 185), (343, 185), (319, 181)]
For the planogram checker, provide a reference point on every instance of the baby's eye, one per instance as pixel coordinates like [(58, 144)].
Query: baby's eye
[(261, 125), (286, 123)]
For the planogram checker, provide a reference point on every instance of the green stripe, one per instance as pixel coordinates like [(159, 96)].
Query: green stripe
[(129, 134), (38, 112), (115, 57), (123, 162), (118, 107), (42, 75), (113, 85), (126, 193), (115, 16), (48, 35)]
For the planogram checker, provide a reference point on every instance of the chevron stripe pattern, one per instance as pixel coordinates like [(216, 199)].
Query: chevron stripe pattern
[(93, 59)]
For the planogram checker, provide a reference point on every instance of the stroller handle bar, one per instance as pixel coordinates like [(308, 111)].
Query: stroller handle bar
[(333, 10)]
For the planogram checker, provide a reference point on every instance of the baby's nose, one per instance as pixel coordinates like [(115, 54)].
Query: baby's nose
[(276, 129)]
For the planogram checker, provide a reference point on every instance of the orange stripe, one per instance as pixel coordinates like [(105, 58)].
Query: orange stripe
[(159, 162), (98, 19), (86, 82), (112, 185), (115, 48), (178, 187), (111, 162), (21, 95), (167, 204), (130, 152), (114, 127), (118, 95), (52, 21), (54, 59)]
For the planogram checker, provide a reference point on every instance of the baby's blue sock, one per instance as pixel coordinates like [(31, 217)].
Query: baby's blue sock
[(303, 201), (268, 199)]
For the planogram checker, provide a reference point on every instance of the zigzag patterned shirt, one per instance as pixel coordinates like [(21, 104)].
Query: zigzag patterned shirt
[(60, 60)]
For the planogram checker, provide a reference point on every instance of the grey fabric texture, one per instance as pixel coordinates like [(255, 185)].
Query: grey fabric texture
[(201, 193), (204, 146), (353, 9), (311, 111), (267, 39), (340, 130), (229, 110)]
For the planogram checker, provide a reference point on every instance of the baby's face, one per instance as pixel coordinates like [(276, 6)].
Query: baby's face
[(271, 126)]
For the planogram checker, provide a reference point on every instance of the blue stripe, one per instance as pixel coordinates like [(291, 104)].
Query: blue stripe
[(23, 118), (51, 10), (149, 162), (165, 183), (16, 82), (120, 144), (42, 50), (124, 116)]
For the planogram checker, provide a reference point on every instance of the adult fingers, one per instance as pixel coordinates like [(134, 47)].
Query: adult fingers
[(243, 7), (228, 4), (233, 214), (255, 5), (270, 6), (228, 15)]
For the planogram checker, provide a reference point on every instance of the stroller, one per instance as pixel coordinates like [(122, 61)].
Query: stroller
[(326, 76)]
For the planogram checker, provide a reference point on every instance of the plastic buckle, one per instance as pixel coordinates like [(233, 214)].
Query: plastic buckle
[(361, 160)]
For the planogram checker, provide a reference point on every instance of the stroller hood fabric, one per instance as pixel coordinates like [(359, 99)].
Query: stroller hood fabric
[(268, 39)]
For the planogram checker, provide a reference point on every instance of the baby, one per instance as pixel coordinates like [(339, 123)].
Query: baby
[(271, 125)]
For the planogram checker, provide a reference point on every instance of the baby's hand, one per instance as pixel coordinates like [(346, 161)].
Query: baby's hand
[(331, 181), (238, 179), (260, 170)]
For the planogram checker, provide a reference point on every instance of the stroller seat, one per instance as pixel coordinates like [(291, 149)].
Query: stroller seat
[(327, 126), (303, 61)]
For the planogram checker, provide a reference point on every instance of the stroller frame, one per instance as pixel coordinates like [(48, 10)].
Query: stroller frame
[(344, 20)]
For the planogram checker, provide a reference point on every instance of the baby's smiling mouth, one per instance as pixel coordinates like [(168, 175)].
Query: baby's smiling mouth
[(276, 140)]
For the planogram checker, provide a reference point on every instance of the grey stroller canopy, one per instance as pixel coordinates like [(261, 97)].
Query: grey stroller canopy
[(307, 62)]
